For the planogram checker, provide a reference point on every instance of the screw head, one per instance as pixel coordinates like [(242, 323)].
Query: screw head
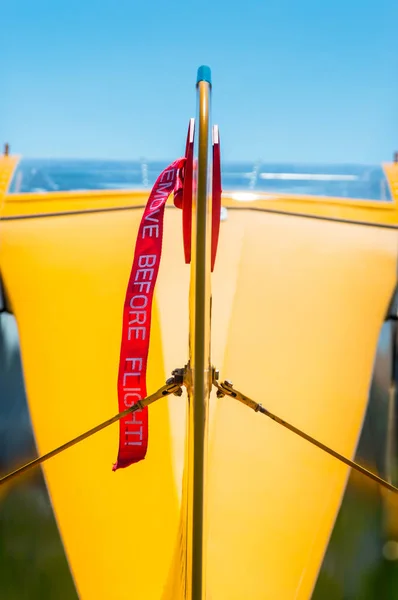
[(178, 376)]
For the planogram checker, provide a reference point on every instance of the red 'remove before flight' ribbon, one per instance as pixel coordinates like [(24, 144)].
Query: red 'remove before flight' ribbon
[(133, 441)]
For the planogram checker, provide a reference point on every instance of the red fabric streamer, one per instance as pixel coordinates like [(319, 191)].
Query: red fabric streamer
[(133, 441)]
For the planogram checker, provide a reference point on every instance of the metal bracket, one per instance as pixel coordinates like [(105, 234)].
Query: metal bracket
[(177, 378), (226, 389)]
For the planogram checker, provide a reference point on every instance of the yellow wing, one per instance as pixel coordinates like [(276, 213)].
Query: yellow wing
[(300, 292)]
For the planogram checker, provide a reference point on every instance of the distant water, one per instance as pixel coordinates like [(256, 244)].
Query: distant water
[(346, 181)]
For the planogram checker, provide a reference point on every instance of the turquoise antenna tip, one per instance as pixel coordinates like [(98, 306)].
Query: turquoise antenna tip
[(204, 74)]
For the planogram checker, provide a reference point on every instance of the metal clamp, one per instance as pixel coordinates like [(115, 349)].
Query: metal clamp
[(177, 379)]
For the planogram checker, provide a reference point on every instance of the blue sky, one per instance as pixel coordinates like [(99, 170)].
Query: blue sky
[(293, 80)]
